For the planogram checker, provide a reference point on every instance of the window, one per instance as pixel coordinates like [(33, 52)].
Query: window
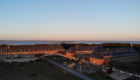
[(6, 54), (9, 55)]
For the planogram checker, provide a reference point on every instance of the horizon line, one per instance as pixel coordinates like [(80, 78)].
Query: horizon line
[(65, 40)]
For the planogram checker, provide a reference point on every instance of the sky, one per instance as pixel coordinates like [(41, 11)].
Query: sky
[(86, 20)]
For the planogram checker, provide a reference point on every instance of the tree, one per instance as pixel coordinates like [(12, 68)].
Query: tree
[(62, 43)]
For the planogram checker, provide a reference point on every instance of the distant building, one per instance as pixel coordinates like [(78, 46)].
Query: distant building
[(82, 50), (28, 50), (103, 56), (98, 55)]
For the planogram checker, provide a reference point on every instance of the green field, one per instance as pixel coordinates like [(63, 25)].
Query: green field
[(34, 71)]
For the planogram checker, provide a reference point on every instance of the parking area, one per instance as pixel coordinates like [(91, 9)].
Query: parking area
[(119, 76)]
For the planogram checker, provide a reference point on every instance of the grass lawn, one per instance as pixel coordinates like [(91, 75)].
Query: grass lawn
[(33, 71), (60, 61)]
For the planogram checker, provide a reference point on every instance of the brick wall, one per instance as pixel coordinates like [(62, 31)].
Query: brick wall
[(96, 61), (69, 55), (25, 54)]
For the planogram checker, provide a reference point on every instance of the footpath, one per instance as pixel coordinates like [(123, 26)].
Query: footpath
[(70, 70)]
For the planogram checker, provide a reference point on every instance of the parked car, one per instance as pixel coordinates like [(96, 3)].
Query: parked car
[(107, 68), (130, 74), (113, 69), (121, 72), (135, 75)]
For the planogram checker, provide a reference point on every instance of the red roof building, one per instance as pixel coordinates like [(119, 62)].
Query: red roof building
[(28, 50)]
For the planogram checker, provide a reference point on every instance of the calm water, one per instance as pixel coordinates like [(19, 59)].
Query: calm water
[(100, 42), (55, 42), (26, 42)]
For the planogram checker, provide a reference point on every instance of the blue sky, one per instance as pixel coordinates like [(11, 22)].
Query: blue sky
[(70, 20)]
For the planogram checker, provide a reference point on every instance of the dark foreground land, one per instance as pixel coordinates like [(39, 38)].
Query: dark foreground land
[(41, 70)]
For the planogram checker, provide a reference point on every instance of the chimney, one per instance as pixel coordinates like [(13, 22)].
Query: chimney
[(8, 47), (76, 47), (131, 45)]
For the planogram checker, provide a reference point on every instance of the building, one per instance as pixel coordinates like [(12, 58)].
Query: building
[(75, 51), (98, 55), (28, 50), (103, 56)]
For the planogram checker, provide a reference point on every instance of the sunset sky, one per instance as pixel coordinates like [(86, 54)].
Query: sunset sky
[(70, 20)]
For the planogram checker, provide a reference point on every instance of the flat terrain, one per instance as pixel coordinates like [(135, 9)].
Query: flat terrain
[(34, 71), (119, 76), (95, 76)]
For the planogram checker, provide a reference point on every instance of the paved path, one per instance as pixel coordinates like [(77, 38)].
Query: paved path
[(20, 59), (122, 76), (71, 71)]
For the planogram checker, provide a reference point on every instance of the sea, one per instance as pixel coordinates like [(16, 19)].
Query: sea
[(58, 42)]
